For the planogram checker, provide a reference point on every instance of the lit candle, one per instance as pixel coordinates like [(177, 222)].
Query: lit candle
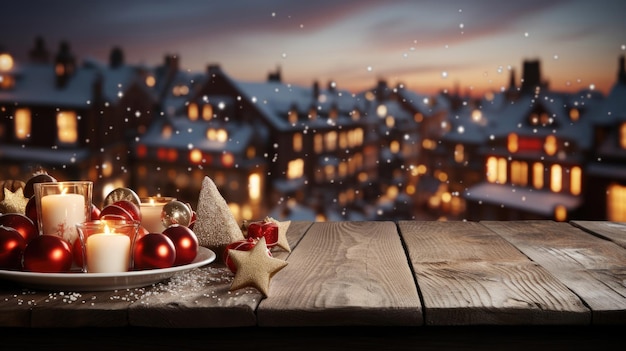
[(60, 213), (151, 209), (107, 252)]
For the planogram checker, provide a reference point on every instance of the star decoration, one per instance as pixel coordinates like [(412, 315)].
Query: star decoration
[(255, 268), (14, 202), (282, 233)]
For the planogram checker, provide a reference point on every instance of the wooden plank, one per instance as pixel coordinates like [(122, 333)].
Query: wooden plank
[(344, 273), (201, 298), (16, 304), (468, 275), (614, 231), (68, 309), (590, 266), (196, 298)]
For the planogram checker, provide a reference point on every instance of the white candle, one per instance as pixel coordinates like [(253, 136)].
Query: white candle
[(151, 215), (60, 213), (108, 253)]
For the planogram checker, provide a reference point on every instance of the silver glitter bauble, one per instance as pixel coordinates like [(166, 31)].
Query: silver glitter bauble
[(122, 194), (176, 212)]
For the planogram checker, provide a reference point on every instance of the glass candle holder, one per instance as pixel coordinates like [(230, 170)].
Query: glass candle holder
[(107, 245), (62, 205), (151, 213)]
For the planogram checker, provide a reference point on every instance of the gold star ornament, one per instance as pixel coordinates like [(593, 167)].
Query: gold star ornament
[(255, 268), (14, 202), (282, 233)]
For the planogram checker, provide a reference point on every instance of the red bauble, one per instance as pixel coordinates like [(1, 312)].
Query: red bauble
[(131, 208), (47, 254), (260, 229), (31, 210), (20, 222), (185, 241), (241, 245), (115, 212), (12, 245), (77, 253), (154, 250), (95, 212), (29, 188)]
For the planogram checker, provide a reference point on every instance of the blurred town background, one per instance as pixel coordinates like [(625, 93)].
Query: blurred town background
[(316, 151)]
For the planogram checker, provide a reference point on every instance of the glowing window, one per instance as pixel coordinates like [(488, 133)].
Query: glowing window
[(22, 123), (622, 136), (67, 127), (292, 116), (228, 160), (330, 141), (574, 114), (616, 203), (343, 140), (519, 173), (390, 122), (381, 111), (254, 186), (502, 165), (295, 169), (6, 62), (550, 145), (356, 115), (195, 156), (576, 180), (538, 175), (192, 111), (394, 147), (207, 112), (560, 213), (297, 142), (512, 143), (492, 169), (318, 143), (150, 81), (556, 178), (459, 153), (166, 132), (418, 117)]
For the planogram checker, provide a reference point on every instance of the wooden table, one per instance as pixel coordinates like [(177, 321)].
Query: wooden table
[(381, 285)]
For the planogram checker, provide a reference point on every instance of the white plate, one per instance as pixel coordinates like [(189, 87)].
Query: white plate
[(103, 281)]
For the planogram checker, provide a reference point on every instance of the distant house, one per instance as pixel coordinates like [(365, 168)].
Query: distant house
[(71, 119), (535, 158), (606, 170)]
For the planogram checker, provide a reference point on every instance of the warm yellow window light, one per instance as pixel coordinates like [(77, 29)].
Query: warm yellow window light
[(512, 143), (23, 123), (556, 178), (297, 142), (295, 169), (576, 180), (6, 62), (538, 175), (67, 127), (492, 169), (550, 145), (192, 111), (254, 186)]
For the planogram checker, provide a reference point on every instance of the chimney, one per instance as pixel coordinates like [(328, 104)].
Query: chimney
[(316, 90), (116, 58), (621, 75), (39, 54), (274, 76), (531, 76), (64, 65)]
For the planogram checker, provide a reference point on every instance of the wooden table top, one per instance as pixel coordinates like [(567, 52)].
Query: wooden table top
[(405, 274)]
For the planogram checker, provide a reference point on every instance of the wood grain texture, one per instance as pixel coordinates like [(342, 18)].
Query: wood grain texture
[(468, 275), (614, 231), (591, 267), (202, 298), (344, 273)]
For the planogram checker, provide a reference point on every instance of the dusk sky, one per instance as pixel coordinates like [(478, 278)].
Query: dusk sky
[(427, 45)]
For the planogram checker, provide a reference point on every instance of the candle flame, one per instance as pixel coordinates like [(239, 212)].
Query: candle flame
[(151, 202), (63, 191), (106, 229)]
